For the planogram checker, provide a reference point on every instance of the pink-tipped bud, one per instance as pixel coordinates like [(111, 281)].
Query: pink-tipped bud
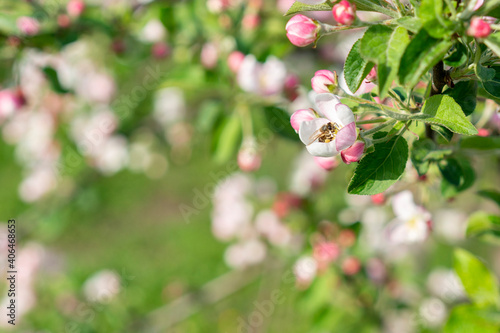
[(483, 132), (63, 21), (28, 25), (378, 199), (372, 75), (327, 163), (351, 266), (478, 28), (353, 153), (299, 116), (209, 55), (326, 252), (344, 12), (302, 30), (234, 61), (11, 100), (324, 81), (286, 202), (160, 50), (478, 5), (75, 8), (248, 158)]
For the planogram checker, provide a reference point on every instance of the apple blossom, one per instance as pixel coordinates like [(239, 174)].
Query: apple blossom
[(324, 81), (75, 8), (325, 252), (353, 153), (351, 266), (102, 287), (10, 101), (330, 133), (305, 270), (302, 30), (478, 28), (248, 156), (264, 79), (28, 25), (344, 12), (234, 61), (209, 55), (411, 223), (327, 163)]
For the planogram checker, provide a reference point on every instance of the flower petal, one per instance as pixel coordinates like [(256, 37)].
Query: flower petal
[(403, 205), (322, 149), (299, 116), (346, 136), (308, 129), (326, 106), (344, 114)]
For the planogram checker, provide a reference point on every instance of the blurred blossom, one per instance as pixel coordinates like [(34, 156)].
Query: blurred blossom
[(75, 8), (376, 270), (28, 25), (285, 202), (351, 265), (249, 158), (209, 55), (38, 183), (411, 223), (244, 254), (262, 79), (450, 224), (217, 6), (111, 155), (433, 312), (305, 271), (102, 286), (327, 163), (325, 253), (96, 87), (234, 61), (160, 50), (11, 100), (399, 322), (269, 225), (169, 106), (265, 188), (153, 32), (445, 284), (307, 175)]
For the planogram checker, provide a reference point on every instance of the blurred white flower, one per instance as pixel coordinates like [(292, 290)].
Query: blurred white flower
[(269, 225), (305, 269), (450, 224), (112, 155), (244, 254), (169, 106), (307, 175), (433, 312), (399, 322), (411, 224), (153, 31), (262, 79), (102, 286), (445, 284), (38, 183)]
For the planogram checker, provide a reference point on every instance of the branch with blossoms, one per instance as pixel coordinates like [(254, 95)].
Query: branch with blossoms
[(427, 63)]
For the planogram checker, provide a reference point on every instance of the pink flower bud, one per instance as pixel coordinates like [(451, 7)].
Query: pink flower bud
[(75, 8), (324, 81), (344, 12), (479, 3), (285, 202), (483, 132), (478, 28), (372, 75), (10, 101), (299, 116), (378, 199), (160, 50), (63, 21), (353, 153), (250, 21), (235, 60), (209, 55), (302, 30), (351, 266), (28, 25), (327, 163), (326, 252), (248, 158)]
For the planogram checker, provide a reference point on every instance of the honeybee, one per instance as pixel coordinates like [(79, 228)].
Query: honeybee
[(325, 133)]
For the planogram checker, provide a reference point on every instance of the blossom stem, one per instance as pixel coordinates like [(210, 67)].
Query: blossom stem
[(452, 9), (365, 101), (328, 29), (372, 121), (378, 128)]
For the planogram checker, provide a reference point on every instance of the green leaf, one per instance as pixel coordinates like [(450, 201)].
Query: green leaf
[(443, 132), (484, 73), (422, 53), (468, 318), (490, 194), (374, 6), (380, 169), (279, 122), (457, 57), (356, 68), (51, 75), (302, 7), (479, 283), (458, 175), (493, 42), (375, 41), (446, 112), (412, 24), (425, 151), (465, 94), (480, 143), (430, 12), (492, 87), (228, 139), (480, 223)]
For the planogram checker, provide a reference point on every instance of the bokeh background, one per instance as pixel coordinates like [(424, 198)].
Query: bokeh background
[(123, 122)]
